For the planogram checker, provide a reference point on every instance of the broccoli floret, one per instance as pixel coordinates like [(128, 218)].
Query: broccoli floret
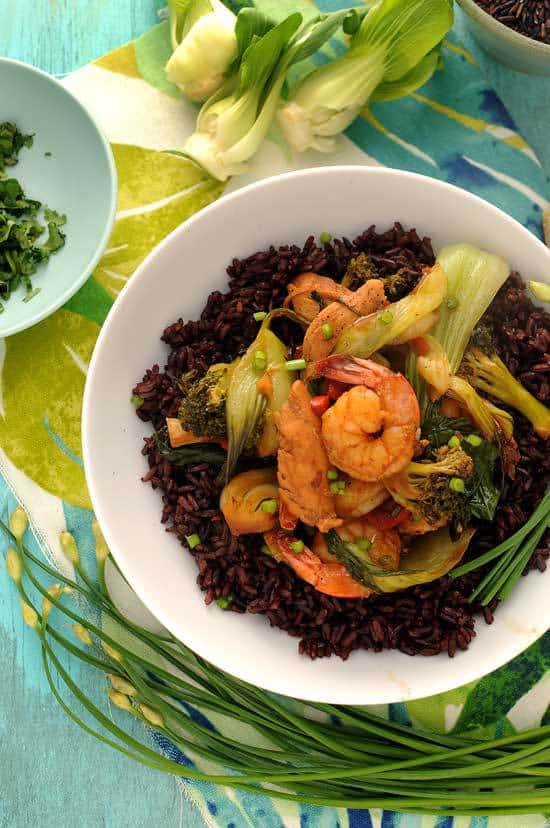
[(202, 409), (400, 284), (360, 269), (434, 491), (483, 337), (487, 372)]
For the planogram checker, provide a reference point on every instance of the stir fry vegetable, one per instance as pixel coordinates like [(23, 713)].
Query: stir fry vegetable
[(370, 333), (488, 373), (474, 277), (202, 409)]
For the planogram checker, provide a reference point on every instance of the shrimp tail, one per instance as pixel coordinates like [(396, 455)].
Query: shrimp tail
[(351, 370)]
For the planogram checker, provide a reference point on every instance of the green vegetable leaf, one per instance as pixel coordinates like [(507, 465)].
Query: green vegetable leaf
[(189, 454), (438, 429), (251, 24), (413, 80), (480, 491), (315, 34)]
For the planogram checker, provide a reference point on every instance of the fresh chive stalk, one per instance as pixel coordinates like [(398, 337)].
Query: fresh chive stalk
[(344, 758), (511, 556)]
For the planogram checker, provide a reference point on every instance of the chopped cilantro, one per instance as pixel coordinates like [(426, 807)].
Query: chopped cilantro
[(20, 226)]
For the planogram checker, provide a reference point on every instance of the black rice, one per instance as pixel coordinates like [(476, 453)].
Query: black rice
[(424, 620), (528, 17)]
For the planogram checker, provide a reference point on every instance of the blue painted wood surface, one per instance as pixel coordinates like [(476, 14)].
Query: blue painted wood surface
[(50, 774)]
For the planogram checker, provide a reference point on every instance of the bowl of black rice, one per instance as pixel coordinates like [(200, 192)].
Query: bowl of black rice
[(516, 33), (190, 305)]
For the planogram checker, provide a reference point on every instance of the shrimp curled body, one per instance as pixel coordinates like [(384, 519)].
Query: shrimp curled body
[(370, 432)]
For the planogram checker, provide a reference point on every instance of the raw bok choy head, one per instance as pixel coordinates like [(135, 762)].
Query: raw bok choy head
[(390, 53), (233, 122), (204, 43)]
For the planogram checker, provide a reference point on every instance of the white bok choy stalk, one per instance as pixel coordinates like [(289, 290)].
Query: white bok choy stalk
[(234, 121), (203, 38), (389, 56)]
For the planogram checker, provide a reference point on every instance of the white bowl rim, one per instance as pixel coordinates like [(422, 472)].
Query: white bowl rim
[(471, 8), (154, 603), (89, 268)]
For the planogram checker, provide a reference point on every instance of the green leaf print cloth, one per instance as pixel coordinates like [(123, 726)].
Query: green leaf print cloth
[(454, 129)]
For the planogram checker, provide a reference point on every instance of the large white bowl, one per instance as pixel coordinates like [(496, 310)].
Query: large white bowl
[(175, 281)]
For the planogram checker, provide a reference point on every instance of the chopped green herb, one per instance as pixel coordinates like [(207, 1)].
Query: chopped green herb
[(474, 440), (386, 317), (325, 237), (269, 506), (295, 364), (20, 227), (327, 331), (456, 484), (259, 316), (260, 361), (297, 546), (48, 154), (223, 603), (192, 540), (136, 400), (452, 303), (11, 142), (454, 442), (332, 474)]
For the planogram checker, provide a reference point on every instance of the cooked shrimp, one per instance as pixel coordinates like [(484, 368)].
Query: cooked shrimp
[(359, 498), (323, 570), (302, 465), (384, 549), (330, 577), (367, 299), (301, 288), (242, 498), (370, 431)]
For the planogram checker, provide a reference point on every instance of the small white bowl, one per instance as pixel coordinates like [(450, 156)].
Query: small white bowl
[(174, 281)]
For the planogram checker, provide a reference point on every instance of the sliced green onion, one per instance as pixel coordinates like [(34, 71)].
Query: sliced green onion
[(332, 474), (474, 440), (341, 484), (334, 488), (456, 484), (386, 317), (364, 544), (454, 442), (325, 237), (259, 316), (136, 400), (297, 546), (266, 550), (452, 303), (223, 603), (260, 361), (269, 506), (192, 540), (327, 331), (31, 294), (295, 364)]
